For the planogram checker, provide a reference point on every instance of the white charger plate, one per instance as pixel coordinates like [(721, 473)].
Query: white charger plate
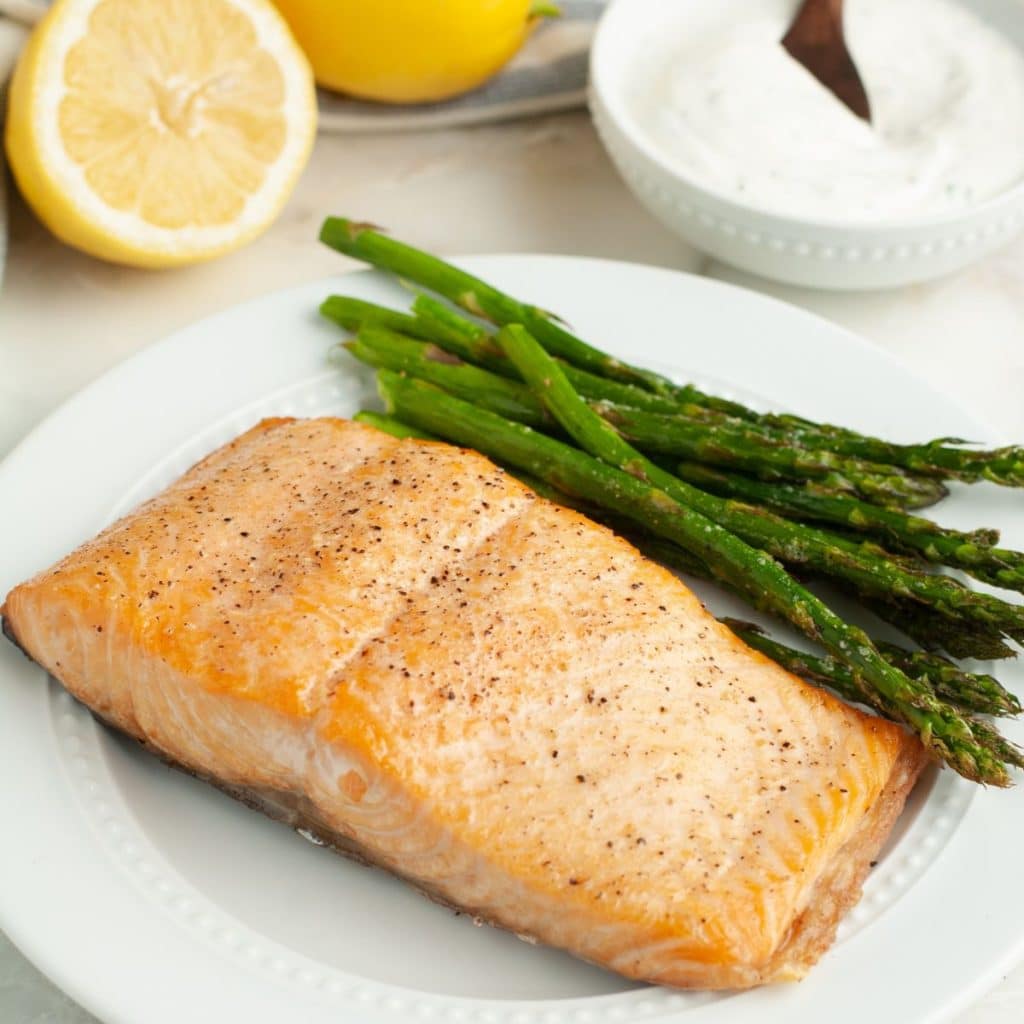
[(153, 899)]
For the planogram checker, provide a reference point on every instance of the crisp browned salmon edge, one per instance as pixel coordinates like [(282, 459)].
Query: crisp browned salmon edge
[(8, 631)]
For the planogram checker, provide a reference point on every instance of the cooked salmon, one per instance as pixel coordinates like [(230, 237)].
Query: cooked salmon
[(404, 649)]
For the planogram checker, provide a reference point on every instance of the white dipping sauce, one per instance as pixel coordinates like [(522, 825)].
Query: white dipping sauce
[(734, 111)]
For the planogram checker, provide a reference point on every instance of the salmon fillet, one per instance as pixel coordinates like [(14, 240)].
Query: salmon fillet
[(403, 648)]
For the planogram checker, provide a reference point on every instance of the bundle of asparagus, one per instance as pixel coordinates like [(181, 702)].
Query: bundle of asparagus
[(717, 490)]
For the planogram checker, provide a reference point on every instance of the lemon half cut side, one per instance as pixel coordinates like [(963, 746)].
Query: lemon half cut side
[(160, 132)]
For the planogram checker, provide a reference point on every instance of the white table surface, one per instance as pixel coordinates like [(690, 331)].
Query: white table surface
[(538, 186)]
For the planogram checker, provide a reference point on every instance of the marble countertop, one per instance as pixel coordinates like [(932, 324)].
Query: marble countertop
[(535, 186)]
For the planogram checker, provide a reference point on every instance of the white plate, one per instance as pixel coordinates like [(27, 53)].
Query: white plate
[(151, 898)]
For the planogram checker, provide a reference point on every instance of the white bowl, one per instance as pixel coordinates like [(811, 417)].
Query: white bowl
[(799, 251)]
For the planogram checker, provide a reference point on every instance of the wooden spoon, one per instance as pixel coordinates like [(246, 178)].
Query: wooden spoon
[(816, 40)]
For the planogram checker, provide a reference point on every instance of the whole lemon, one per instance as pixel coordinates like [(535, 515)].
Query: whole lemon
[(409, 51)]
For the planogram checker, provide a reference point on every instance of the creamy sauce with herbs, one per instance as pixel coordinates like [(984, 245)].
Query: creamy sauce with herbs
[(734, 111)]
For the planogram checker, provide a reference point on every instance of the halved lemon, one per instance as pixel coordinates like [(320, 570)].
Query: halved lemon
[(160, 132)]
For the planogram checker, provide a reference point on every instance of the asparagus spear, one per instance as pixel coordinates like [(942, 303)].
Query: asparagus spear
[(810, 502), (476, 344), (945, 732), (391, 425), (933, 632), (930, 459), (438, 323), (460, 335), (447, 327), (838, 676), (1004, 466), (381, 347), (935, 458), (384, 349), (364, 242), (977, 691), (972, 552), (724, 444), (457, 366), (355, 313)]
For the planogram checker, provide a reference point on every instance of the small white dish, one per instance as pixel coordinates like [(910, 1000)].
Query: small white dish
[(815, 253), (154, 899)]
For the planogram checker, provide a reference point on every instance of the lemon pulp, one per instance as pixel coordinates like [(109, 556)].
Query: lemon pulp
[(157, 132)]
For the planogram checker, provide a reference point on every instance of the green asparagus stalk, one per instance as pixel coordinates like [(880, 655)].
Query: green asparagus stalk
[(381, 347), (391, 425), (936, 458), (447, 327), (438, 323), (364, 242), (443, 326), (971, 552), (810, 502), (460, 335), (475, 344), (458, 368), (384, 349), (930, 459), (959, 639), (944, 731), (837, 676), (1003, 466), (975, 691), (992, 739), (722, 444), (352, 314)]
